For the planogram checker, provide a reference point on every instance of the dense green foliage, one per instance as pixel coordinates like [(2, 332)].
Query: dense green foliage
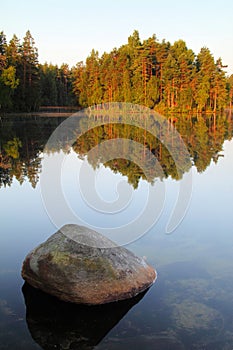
[(155, 74), (25, 84), (56, 86)]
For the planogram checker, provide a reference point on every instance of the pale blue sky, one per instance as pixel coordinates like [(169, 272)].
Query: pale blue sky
[(66, 31)]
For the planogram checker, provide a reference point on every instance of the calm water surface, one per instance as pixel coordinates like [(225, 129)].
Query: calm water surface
[(191, 304)]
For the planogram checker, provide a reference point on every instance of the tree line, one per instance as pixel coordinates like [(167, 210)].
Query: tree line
[(25, 85), (154, 74), (159, 75)]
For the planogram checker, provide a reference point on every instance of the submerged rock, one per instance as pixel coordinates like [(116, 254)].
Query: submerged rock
[(71, 266)]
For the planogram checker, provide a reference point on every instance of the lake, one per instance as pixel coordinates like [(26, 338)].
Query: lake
[(130, 196)]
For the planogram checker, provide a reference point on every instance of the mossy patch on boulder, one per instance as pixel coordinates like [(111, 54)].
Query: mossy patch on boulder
[(69, 268)]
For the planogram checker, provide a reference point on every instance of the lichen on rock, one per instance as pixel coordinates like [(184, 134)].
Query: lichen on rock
[(69, 268)]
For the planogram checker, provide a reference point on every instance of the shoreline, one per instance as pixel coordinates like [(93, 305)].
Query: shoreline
[(68, 114), (37, 114)]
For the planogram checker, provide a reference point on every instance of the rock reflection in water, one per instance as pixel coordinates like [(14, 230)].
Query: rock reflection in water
[(58, 325)]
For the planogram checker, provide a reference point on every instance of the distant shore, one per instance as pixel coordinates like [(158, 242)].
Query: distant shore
[(45, 111), (62, 114), (56, 112), (37, 114)]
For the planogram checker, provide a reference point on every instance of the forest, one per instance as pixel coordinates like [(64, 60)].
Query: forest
[(159, 75)]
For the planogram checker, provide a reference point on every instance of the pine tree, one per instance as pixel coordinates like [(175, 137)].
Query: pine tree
[(8, 79), (218, 91), (79, 84), (230, 91), (185, 62), (205, 71), (3, 46), (48, 86), (27, 94), (13, 52)]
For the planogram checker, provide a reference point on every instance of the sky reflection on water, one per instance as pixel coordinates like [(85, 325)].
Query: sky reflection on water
[(189, 307)]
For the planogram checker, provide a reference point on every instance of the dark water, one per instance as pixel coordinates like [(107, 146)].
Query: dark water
[(190, 306)]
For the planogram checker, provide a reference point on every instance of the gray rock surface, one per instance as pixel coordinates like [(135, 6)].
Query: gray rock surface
[(71, 266)]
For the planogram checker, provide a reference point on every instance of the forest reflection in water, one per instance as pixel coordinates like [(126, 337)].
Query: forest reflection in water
[(190, 305), (23, 140)]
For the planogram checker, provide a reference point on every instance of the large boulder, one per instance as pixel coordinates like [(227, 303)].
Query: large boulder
[(79, 265)]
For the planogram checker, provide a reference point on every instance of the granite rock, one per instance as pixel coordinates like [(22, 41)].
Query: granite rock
[(79, 265)]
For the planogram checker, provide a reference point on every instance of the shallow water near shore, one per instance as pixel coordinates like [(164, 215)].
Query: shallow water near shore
[(190, 305)]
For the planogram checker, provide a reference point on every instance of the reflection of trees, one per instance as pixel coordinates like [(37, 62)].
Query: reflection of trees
[(22, 142), (203, 137), (151, 152)]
